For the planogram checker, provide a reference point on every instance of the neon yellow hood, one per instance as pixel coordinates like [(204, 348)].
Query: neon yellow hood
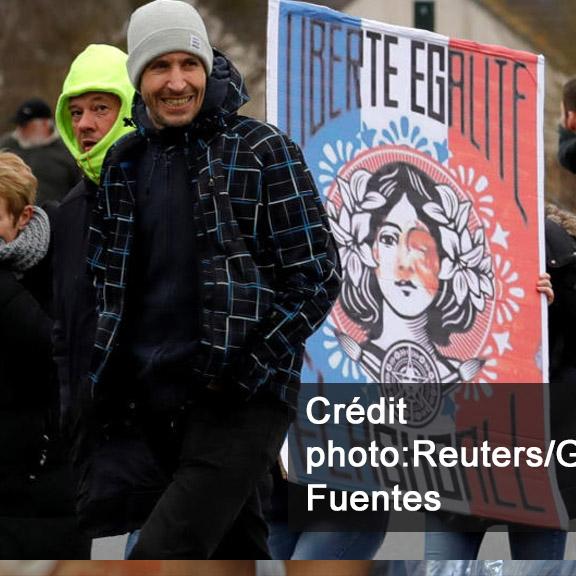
[(99, 68)]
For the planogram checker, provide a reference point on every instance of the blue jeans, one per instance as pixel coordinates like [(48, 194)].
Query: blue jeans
[(130, 543), (287, 545), (445, 540)]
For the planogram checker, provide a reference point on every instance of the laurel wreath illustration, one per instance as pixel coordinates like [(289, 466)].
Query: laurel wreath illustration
[(467, 265)]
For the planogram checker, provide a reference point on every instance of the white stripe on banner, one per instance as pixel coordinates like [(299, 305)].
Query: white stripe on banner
[(387, 86)]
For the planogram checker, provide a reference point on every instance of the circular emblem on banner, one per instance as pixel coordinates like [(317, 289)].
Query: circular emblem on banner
[(408, 363), (409, 372)]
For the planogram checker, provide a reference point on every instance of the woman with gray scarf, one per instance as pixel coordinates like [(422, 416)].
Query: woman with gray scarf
[(36, 513)]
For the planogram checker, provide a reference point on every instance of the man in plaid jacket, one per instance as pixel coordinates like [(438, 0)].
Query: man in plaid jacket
[(213, 262)]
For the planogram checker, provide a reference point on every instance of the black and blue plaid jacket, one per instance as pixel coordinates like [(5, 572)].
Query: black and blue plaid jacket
[(268, 263)]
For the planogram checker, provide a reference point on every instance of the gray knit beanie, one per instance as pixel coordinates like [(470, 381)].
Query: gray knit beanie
[(165, 26)]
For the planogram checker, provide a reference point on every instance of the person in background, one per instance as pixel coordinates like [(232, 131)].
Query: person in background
[(39, 145), (567, 129), (37, 517), (116, 480), (561, 265)]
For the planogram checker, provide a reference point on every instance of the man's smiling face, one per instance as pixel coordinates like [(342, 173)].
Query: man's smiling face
[(173, 87)]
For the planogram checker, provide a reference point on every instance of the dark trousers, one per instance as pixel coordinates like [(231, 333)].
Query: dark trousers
[(211, 509)]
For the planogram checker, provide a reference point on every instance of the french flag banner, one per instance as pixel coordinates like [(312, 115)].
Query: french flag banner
[(428, 154)]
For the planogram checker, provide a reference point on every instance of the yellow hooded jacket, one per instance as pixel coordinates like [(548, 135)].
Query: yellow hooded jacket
[(99, 68)]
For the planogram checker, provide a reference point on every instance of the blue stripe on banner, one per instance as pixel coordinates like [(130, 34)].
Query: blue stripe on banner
[(319, 67), (319, 58)]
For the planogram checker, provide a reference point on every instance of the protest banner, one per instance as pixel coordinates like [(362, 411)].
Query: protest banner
[(428, 154)]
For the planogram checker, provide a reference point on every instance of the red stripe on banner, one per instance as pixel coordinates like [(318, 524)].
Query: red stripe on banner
[(494, 134)]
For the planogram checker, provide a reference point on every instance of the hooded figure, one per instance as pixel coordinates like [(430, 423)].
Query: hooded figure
[(115, 479), (100, 68)]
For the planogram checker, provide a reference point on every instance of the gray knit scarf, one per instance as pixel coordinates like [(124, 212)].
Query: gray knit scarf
[(30, 246)]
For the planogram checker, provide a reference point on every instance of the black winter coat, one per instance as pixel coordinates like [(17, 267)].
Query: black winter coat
[(33, 461), (269, 270), (36, 494), (561, 265), (26, 376), (117, 481)]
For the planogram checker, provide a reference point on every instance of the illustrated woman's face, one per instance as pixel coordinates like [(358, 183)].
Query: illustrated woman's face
[(408, 261)]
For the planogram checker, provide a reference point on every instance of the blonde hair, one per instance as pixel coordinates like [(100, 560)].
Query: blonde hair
[(17, 183)]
